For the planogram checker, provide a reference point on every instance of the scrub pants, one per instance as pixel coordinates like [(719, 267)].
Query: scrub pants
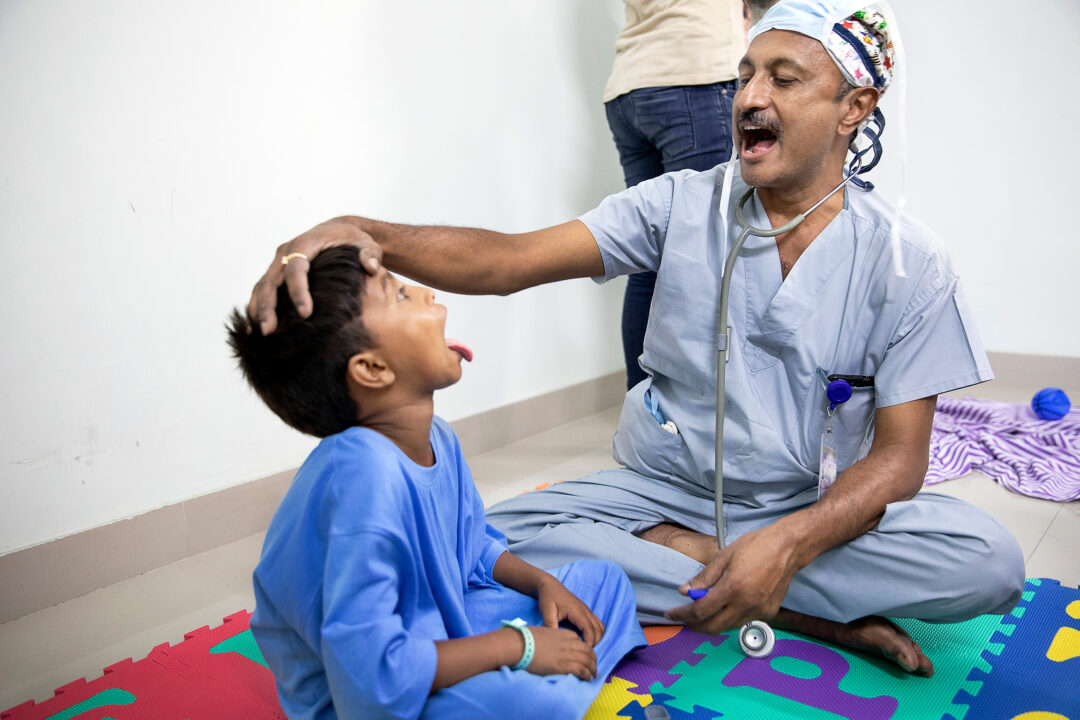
[(934, 557), (656, 131), (519, 694)]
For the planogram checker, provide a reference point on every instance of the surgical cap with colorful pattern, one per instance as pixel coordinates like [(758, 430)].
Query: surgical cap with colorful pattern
[(855, 33)]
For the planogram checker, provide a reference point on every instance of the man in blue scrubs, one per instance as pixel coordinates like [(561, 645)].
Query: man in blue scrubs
[(823, 299)]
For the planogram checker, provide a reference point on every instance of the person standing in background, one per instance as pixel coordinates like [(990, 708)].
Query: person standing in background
[(668, 103)]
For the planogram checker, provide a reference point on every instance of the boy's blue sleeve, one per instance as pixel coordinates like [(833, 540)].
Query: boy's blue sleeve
[(488, 543), (375, 668), (493, 545), (481, 543)]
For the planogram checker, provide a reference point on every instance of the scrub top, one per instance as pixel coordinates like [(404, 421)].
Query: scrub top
[(841, 310)]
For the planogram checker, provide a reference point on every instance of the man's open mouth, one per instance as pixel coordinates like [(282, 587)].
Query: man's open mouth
[(756, 140)]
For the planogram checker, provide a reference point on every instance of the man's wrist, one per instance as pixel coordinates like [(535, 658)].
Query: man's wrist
[(354, 220), (797, 538), (352, 223)]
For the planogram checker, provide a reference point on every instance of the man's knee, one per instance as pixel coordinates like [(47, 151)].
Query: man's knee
[(517, 518), (989, 576), (1003, 573), (937, 559)]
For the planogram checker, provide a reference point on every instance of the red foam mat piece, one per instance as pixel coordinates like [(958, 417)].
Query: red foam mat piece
[(179, 682)]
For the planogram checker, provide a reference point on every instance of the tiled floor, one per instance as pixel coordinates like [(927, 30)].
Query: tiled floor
[(42, 651)]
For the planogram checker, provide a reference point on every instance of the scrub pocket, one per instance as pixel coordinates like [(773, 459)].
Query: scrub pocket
[(683, 345), (852, 422), (641, 443)]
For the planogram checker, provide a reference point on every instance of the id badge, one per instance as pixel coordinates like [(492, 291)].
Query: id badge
[(827, 473)]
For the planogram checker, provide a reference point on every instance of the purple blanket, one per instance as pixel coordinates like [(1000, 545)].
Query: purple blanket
[(1010, 444)]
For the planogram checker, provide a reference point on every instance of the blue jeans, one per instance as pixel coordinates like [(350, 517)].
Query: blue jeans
[(659, 130)]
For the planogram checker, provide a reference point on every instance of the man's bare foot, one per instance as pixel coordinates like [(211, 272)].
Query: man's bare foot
[(699, 546), (872, 634)]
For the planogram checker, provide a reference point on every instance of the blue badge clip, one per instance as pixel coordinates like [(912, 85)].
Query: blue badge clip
[(838, 392)]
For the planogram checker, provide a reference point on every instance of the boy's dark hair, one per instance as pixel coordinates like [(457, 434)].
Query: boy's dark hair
[(299, 369)]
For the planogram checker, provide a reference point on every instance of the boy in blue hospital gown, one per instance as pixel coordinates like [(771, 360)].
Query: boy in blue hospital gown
[(382, 591)]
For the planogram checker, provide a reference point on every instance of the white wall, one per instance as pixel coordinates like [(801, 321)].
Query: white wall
[(993, 156), (153, 154)]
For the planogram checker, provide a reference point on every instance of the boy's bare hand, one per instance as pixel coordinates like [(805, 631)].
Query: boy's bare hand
[(558, 604), (560, 651), (295, 274)]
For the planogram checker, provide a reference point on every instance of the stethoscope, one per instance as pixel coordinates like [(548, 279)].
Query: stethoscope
[(756, 638)]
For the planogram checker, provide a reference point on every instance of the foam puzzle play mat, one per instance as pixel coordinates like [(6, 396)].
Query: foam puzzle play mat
[(1021, 666)]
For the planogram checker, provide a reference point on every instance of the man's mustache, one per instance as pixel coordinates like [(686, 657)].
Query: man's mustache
[(755, 117)]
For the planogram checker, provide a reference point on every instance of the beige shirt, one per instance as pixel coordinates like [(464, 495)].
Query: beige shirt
[(677, 42)]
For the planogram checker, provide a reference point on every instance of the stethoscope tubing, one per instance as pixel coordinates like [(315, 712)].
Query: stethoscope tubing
[(724, 333), (764, 634)]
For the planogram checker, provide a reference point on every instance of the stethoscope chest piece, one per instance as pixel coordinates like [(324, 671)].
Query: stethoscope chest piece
[(756, 639)]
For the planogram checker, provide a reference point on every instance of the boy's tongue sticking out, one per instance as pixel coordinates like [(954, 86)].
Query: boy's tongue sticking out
[(460, 348)]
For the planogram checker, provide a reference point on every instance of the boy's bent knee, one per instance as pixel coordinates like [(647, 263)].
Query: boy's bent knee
[(510, 693), (599, 574)]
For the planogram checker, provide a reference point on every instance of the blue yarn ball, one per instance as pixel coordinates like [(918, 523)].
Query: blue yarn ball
[(1050, 403)]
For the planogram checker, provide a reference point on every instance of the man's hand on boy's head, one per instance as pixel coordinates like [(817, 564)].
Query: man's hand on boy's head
[(557, 604), (294, 273)]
